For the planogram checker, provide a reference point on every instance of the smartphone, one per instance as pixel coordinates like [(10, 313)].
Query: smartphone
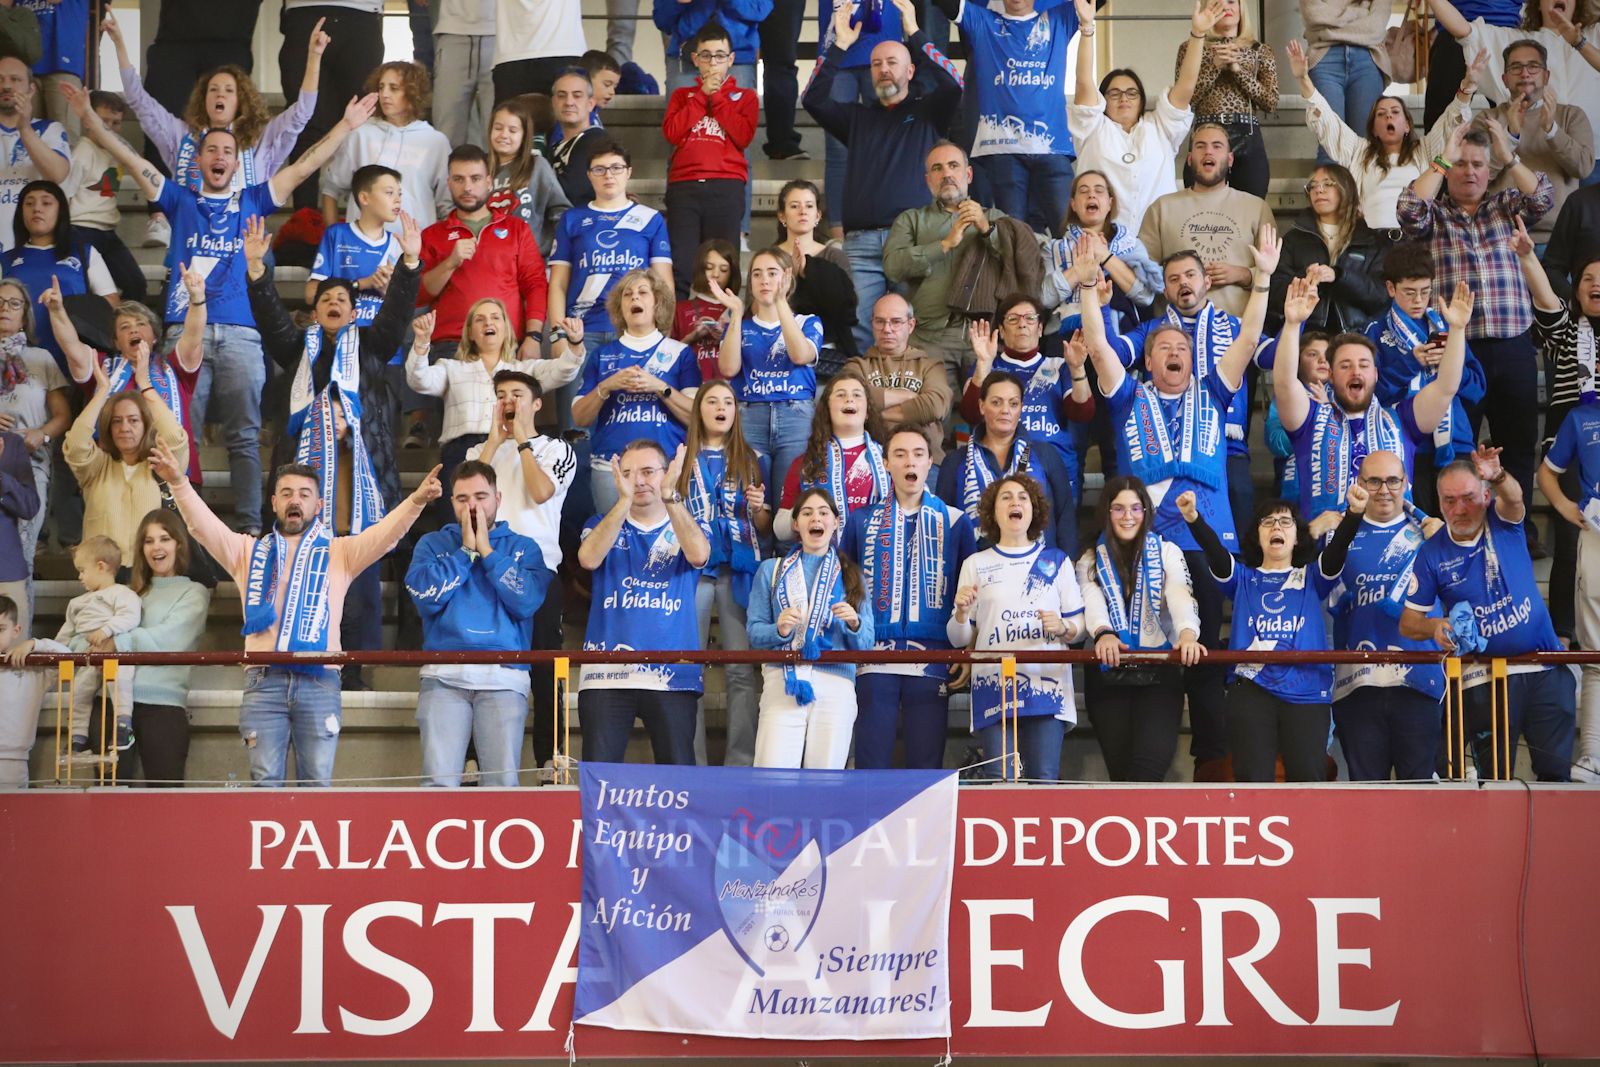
[(1438, 338)]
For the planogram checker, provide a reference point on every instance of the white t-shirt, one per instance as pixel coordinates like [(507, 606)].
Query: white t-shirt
[(17, 168), (541, 522), (1139, 163), (91, 196), (535, 29)]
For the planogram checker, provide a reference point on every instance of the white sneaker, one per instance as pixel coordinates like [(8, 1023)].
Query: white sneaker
[(158, 234), (1586, 769)]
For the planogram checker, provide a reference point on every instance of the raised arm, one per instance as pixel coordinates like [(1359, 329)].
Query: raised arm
[(691, 538), (1433, 401), (1294, 403), (1451, 21), (1094, 291), (191, 346), (53, 165), (1206, 13), (280, 337), (145, 174), (1236, 359), (1086, 91), (356, 113), (598, 542), (730, 353), (80, 357), (1533, 273)]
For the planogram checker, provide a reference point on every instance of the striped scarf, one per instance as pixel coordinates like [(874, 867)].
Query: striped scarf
[(908, 580), (1334, 452), (1154, 456), (1127, 614), (304, 626), (717, 503), (816, 605), (977, 477), (1409, 336), (837, 475), (312, 423)]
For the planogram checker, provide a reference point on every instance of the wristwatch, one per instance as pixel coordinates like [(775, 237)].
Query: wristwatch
[(666, 392), (672, 497), (526, 446)]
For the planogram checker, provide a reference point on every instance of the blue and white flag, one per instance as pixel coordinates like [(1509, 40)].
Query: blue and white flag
[(747, 902)]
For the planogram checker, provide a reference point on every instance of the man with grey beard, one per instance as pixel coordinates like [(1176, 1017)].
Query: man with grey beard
[(917, 93)]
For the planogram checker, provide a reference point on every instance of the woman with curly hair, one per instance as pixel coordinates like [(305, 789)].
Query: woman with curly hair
[(842, 457), (397, 137), (1022, 596), (226, 97), (641, 385)]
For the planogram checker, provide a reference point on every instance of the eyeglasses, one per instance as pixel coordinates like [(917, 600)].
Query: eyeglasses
[(1393, 483), (1021, 320), (1321, 185), (1525, 68), (1127, 509), (1277, 522), (648, 472), (1113, 95), (12, 303), (614, 170), (890, 324), (714, 57)]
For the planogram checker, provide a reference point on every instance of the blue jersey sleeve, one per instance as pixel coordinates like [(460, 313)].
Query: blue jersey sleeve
[(171, 198), (258, 200), (327, 254), (1220, 390), (562, 253), (1423, 593), (591, 377), (660, 246), (685, 373), (811, 326), (1564, 452)]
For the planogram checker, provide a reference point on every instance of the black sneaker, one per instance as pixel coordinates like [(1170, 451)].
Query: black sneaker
[(80, 744), (788, 153), (124, 736)]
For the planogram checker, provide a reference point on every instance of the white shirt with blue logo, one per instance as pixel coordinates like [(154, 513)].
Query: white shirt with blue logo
[(600, 247), (643, 599), (1019, 65), (766, 373)]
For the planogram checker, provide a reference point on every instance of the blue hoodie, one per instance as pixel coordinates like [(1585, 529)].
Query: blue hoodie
[(478, 604), (741, 18)]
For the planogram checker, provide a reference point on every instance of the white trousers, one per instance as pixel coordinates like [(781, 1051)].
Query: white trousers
[(816, 736), (1586, 753)]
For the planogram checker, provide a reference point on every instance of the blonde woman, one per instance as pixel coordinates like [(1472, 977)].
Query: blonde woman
[(1238, 79), (466, 383)]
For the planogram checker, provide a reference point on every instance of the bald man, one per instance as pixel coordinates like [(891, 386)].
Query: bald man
[(916, 93), (909, 386)]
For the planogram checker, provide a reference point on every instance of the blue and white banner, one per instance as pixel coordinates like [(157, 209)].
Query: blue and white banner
[(766, 903)]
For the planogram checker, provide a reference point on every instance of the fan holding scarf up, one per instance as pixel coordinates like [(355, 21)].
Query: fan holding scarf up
[(339, 407)]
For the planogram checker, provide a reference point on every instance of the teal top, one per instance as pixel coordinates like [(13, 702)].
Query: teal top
[(173, 620)]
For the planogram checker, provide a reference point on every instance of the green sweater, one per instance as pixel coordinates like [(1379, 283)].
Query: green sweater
[(174, 618)]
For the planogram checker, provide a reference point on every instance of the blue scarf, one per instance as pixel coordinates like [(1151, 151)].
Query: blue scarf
[(311, 422), (1152, 453), (976, 476), (1405, 545), (908, 581), (1214, 330), (1126, 615), (1403, 333), (836, 474), (717, 503), (186, 166), (789, 591), (1333, 450), (304, 626), (119, 376)]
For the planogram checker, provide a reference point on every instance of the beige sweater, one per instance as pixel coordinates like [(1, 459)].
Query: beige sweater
[(1353, 22), (1220, 223), (116, 496), (916, 372)]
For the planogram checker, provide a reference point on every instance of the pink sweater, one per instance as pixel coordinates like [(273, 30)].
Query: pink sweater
[(347, 557)]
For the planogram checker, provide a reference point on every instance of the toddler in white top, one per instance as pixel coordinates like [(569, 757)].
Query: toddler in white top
[(102, 611)]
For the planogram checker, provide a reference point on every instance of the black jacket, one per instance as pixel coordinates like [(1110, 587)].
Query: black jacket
[(1574, 240), (1354, 297), (285, 343)]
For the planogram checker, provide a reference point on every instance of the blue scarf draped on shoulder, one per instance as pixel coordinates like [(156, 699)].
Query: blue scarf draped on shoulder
[(717, 502), (304, 626), (1126, 614), (1334, 452), (907, 578), (312, 424), (1153, 453), (815, 603)]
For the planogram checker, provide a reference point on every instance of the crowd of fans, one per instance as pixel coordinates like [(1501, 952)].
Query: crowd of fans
[(872, 434)]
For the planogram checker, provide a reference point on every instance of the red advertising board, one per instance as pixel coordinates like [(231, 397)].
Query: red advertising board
[(261, 925)]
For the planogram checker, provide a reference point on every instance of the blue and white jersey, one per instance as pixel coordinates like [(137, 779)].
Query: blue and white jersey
[(1046, 384), (1019, 66), (1221, 328), (17, 167), (1205, 472), (63, 36), (1281, 610), (208, 237), (1494, 575), (346, 253), (626, 417), (766, 373), (35, 267), (1366, 607), (602, 246), (643, 599), (1013, 587), (1578, 441)]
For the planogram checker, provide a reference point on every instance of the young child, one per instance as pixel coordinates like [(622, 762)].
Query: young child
[(698, 320), (91, 188), (605, 75), (363, 251), (399, 138), (102, 611), (21, 690)]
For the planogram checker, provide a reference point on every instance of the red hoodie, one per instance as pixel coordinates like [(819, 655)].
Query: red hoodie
[(711, 132), (506, 265)]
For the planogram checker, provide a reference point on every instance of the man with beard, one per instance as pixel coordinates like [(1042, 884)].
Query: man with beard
[(923, 246), (1169, 431), (293, 583), (208, 237), (1470, 232), (917, 92), (1331, 439), (1553, 137), (30, 148), (1218, 223)]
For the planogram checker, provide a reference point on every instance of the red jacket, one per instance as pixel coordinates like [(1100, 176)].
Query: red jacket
[(711, 132), (506, 265)]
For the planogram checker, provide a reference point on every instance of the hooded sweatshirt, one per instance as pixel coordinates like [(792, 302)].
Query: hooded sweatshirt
[(418, 151)]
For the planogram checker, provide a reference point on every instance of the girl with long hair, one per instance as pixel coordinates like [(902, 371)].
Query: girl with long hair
[(400, 138), (724, 486), (1331, 244), (524, 182), (226, 97), (1019, 595), (1238, 80), (824, 286), (1135, 277), (699, 320), (842, 457), (1136, 598), (1389, 156), (770, 355), (1278, 591), (812, 601), (44, 248)]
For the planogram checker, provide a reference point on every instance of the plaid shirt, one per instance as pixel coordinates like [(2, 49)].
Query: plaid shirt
[(1476, 249)]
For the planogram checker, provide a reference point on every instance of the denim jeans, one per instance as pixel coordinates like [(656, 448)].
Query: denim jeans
[(865, 249), (606, 718), (493, 720), (1351, 82), (1039, 740), (917, 708), (739, 678), (280, 708), (1543, 713), (778, 429), (1388, 727), (1035, 189), (233, 374), (850, 85)]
